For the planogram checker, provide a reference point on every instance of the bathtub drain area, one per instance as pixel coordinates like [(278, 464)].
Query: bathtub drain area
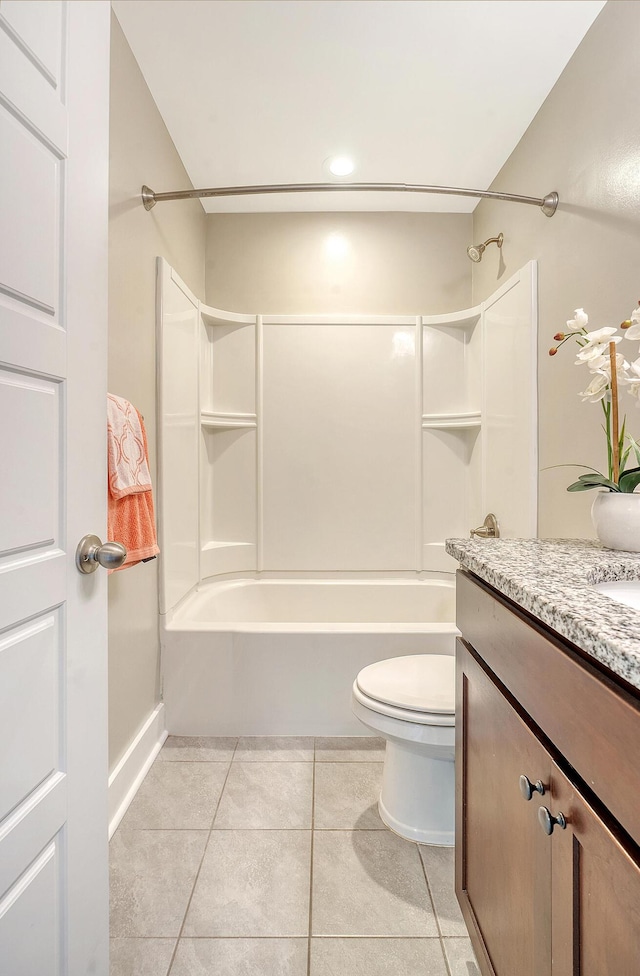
[(266, 855)]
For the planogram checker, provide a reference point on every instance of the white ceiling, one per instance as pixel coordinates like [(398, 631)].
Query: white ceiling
[(424, 91)]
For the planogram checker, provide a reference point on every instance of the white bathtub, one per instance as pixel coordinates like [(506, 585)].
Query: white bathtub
[(278, 656)]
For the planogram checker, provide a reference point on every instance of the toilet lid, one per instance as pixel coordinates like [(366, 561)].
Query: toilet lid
[(422, 682)]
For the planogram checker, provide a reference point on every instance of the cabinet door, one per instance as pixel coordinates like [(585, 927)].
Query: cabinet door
[(503, 858), (595, 894)]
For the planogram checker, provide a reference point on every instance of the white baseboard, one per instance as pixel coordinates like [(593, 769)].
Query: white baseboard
[(125, 780)]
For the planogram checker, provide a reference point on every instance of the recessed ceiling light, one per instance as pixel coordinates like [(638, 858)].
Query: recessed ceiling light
[(341, 165)]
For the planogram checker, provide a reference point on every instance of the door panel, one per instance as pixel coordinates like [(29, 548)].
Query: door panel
[(506, 861), (31, 406), (30, 200), (30, 916), (39, 31), (30, 706), (596, 892), (31, 93)]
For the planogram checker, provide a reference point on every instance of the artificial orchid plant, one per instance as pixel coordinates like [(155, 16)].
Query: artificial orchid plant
[(610, 371)]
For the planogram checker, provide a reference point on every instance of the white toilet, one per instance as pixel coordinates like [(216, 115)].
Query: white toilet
[(410, 701)]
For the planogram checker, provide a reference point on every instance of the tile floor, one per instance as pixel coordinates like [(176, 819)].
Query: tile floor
[(266, 857)]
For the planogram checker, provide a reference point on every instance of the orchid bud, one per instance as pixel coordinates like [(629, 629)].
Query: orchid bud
[(553, 351), (626, 324), (559, 336)]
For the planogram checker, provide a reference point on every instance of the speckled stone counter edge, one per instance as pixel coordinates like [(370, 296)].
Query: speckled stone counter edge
[(553, 579)]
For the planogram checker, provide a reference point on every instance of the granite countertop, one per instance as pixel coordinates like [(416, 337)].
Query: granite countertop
[(553, 579)]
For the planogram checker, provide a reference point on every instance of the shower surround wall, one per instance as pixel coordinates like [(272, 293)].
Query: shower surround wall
[(340, 443)]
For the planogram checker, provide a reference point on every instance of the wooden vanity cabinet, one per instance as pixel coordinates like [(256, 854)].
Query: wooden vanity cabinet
[(538, 904)]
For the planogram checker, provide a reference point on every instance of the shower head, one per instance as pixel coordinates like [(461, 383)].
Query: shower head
[(475, 251)]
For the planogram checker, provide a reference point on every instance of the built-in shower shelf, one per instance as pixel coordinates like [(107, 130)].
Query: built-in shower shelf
[(228, 421), (226, 545), (451, 421), (217, 316), (226, 557), (466, 319)]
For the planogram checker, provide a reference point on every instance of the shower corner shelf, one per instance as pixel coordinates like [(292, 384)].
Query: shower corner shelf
[(226, 557), (466, 319), (228, 421), (213, 544), (470, 420), (218, 316)]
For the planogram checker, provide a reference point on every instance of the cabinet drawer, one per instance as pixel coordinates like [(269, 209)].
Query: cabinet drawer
[(592, 722)]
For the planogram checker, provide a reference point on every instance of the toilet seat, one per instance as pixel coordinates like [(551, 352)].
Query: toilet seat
[(417, 688), (403, 714)]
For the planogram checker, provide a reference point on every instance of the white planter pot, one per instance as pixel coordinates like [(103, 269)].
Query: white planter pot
[(616, 519)]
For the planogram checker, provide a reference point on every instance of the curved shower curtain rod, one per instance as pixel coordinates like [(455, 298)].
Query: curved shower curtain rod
[(547, 204)]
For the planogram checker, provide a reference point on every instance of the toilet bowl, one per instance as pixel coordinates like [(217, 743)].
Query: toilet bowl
[(410, 701)]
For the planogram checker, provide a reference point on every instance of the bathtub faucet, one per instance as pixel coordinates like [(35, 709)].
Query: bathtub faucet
[(488, 530)]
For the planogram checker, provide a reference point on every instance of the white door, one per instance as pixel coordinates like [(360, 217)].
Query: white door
[(54, 70)]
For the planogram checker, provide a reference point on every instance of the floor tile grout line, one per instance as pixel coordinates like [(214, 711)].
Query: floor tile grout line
[(435, 913), (222, 830), (313, 823), (261, 938), (204, 853)]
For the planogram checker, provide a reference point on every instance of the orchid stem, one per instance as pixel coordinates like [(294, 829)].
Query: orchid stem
[(615, 432), (606, 407)]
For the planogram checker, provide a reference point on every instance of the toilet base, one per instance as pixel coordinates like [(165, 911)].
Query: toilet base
[(418, 795)]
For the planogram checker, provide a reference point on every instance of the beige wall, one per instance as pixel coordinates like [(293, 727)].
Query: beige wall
[(395, 263), (141, 152), (584, 143)]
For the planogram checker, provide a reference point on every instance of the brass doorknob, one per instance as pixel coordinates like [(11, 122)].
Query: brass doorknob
[(91, 553)]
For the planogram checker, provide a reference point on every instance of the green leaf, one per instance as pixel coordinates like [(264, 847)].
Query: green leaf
[(630, 480), (592, 479), (588, 485), (635, 446), (550, 467)]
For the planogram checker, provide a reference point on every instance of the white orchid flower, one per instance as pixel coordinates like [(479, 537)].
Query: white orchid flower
[(579, 321), (593, 352), (630, 374), (622, 370), (633, 389), (633, 332), (597, 389), (598, 364), (602, 335)]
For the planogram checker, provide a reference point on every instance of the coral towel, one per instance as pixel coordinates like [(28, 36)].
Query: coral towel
[(126, 446), (131, 516)]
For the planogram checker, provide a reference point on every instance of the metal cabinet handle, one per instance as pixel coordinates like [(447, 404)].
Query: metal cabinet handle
[(91, 553), (488, 530), (547, 822), (527, 788)]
